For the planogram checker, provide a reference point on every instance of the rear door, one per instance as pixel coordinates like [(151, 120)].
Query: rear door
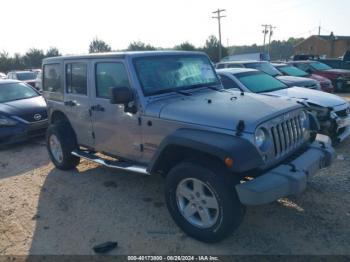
[(77, 100), (116, 131)]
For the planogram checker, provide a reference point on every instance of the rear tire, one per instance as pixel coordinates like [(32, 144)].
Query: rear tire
[(208, 221), (60, 142), (339, 86)]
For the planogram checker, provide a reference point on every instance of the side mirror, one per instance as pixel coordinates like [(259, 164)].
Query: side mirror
[(121, 95)]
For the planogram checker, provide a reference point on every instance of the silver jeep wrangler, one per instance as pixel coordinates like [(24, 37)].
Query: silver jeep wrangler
[(167, 113)]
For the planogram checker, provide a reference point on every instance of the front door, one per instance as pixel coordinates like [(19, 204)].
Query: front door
[(77, 102), (116, 131)]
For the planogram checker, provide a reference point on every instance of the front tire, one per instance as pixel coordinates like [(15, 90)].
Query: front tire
[(339, 86), (60, 142), (202, 200)]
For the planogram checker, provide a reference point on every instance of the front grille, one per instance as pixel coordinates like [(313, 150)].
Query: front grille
[(287, 135), (342, 113), (30, 117)]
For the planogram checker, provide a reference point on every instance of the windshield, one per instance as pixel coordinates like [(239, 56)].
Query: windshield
[(264, 67), (26, 76), (15, 91), (259, 82), (320, 66), (292, 71), (166, 73)]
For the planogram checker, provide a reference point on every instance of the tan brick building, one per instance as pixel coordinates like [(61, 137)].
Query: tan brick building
[(331, 46)]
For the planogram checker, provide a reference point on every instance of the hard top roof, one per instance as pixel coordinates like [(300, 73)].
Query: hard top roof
[(121, 55)]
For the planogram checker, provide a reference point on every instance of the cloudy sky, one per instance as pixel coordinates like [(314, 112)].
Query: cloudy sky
[(70, 25)]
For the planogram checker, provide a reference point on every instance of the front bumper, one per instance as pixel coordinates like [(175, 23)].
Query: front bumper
[(22, 132), (287, 179)]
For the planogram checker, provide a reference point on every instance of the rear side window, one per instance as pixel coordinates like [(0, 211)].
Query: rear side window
[(110, 75), (52, 78), (76, 78)]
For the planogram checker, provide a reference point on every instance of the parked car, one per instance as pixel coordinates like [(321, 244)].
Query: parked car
[(332, 111), (23, 113), (28, 77), (339, 77), (290, 70), (167, 113), (247, 56), (269, 69), (339, 63), (2, 76), (300, 57)]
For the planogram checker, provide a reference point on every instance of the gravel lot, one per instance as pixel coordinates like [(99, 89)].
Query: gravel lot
[(47, 211)]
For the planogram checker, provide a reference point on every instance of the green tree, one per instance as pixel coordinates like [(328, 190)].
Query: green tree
[(279, 50), (4, 61), (52, 51), (99, 46), (212, 48), (140, 46), (185, 46), (33, 58)]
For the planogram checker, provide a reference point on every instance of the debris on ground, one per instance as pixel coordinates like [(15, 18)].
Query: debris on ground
[(105, 247)]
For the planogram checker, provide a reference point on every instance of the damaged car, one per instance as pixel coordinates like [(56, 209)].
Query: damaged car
[(332, 111), (166, 113)]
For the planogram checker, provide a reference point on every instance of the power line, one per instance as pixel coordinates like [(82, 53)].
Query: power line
[(218, 17)]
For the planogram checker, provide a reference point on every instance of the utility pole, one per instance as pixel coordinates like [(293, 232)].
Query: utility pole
[(319, 30), (265, 32), (218, 17), (270, 35)]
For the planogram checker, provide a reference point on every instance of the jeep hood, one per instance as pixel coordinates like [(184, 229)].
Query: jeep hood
[(311, 96), (296, 81), (220, 109)]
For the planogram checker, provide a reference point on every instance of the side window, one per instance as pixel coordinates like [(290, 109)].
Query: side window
[(76, 78), (228, 83), (52, 78), (220, 66), (109, 75)]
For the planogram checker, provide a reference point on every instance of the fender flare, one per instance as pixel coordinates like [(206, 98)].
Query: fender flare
[(244, 154)]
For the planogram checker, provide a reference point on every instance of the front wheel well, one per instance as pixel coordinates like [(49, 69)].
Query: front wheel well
[(174, 154), (58, 116)]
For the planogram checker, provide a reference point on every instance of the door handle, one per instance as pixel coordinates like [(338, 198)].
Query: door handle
[(97, 108), (70, 103)]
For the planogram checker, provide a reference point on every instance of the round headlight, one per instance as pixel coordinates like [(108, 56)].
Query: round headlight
[(260, 137)]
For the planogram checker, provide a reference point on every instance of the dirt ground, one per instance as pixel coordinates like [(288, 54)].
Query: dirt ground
[(47, 211)]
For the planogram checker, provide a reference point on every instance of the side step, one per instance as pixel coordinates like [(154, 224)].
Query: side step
[(111, 164)]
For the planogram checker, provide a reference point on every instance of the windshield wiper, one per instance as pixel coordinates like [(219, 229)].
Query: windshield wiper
[(181, 92)]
